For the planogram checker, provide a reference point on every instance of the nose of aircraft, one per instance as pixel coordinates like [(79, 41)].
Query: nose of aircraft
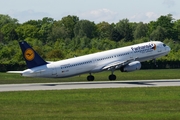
[(168, 48)]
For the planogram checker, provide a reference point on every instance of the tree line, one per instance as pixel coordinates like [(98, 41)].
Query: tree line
[(70, 36)]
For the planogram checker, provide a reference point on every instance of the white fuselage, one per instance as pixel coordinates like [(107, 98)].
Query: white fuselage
[(95, 62)]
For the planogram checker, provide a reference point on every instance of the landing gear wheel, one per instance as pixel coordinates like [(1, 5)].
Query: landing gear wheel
[(112, 77), (90, 78), (155, 65)]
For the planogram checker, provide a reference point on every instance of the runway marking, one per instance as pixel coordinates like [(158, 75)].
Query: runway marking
[(88, 85)]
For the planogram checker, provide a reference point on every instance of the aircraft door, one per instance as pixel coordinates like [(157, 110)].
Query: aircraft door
[(159, 48), (131, 55), (54, 71), (94, 62)]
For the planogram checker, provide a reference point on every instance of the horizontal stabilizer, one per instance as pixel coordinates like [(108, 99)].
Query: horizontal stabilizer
[(14, 72)]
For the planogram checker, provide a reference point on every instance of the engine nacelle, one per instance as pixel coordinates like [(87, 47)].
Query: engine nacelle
[(136, 65)]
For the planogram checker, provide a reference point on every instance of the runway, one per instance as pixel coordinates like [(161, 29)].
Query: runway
[(88, 85)]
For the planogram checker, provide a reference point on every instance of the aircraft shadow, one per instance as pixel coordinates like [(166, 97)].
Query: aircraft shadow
[(149, 83)]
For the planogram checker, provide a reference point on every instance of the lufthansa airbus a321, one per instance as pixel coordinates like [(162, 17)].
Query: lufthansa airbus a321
[(126, 59)]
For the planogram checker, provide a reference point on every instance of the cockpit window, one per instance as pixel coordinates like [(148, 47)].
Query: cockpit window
[(164, 45)]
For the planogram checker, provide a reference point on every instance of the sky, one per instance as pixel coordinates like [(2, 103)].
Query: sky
[(111, 11)]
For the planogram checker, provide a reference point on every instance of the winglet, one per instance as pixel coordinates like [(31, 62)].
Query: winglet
[(31, 57)]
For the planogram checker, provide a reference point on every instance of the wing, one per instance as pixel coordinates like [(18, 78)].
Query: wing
[(116, 64)]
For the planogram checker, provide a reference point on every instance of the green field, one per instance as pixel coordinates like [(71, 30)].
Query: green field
[(157, 103), (103, 76), (161, 103)]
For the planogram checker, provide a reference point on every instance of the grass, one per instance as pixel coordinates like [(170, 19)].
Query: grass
[(157, 103), (98, 104), (136, 75)]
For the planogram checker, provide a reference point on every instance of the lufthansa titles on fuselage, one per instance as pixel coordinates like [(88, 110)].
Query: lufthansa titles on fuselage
[(144, 48)]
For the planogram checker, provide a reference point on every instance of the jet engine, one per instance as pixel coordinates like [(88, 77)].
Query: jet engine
[(136, 65)]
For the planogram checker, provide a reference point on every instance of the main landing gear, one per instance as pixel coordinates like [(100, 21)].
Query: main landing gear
[(90, 78), (111, 77)]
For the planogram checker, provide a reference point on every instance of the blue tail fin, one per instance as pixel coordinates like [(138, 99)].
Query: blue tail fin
[(31, 57)]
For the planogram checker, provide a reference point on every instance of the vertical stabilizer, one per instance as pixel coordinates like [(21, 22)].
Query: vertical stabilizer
[(31, 57)]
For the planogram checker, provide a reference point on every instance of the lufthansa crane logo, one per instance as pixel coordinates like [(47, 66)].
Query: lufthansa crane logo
[(154, 46), (29, 54)]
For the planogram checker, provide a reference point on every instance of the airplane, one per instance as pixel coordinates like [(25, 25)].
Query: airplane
[(126, 59)]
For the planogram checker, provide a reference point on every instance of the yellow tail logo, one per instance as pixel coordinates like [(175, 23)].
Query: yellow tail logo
[(29, 54)]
